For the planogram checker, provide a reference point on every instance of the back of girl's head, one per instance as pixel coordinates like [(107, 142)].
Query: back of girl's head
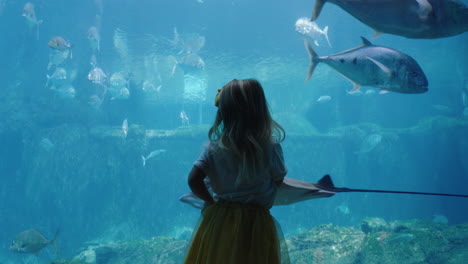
[(242, 103), (243, 123)]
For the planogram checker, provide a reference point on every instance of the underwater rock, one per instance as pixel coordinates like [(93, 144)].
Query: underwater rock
[(156, 250), (419, 242), (325, 244), (414, 242), (373, 224)]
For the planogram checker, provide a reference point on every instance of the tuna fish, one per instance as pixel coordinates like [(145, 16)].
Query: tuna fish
[(31, 242), (424, 19), (376, 66)]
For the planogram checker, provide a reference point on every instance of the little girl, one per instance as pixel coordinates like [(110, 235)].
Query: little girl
[(244, 164)]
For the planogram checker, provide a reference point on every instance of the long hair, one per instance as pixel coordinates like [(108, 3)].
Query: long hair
[(244, 126)]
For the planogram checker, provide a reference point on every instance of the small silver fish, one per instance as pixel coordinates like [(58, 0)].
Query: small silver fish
[(324, 98), (118, 80), (46, 144), (58, 78), (94, 38), (57, 57), (152, 155), (343, 208), (188, 43), (464, 93), (66, 91), (125, 128), (97, 75), (184, 118), (118, 86), (95, 101), (29, 14), (191, 62), (310, 29), (31, 242), (99, 6), (370, 143), (59, 43), (93, 61), (118, 92), (149, 87)]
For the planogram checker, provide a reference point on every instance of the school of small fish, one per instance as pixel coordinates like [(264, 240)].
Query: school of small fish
[(127, 75)]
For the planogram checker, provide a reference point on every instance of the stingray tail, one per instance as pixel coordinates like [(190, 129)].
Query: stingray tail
[(313, 57), (53, 241)]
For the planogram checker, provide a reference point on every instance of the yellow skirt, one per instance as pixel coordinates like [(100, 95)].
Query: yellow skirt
[(234, 233)]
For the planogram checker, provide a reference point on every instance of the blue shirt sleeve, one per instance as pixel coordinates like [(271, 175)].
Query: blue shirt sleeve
[(203, 160)]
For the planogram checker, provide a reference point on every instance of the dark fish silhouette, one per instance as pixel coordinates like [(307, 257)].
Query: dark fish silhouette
[(425, 19), (372, 65), (31, 242)]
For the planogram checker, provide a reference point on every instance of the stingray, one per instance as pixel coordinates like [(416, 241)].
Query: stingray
[(294, 191)]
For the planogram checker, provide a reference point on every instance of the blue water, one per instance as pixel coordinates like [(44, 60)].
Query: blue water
[(59, 168)]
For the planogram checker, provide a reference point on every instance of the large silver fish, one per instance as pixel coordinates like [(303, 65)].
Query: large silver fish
[(408, 18), (31, 242), (377, 66)]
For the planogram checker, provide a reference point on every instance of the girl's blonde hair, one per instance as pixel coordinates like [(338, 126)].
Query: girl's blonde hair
[(244, 127)]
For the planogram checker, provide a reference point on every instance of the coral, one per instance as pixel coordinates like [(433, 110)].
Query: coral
[(408, 241)]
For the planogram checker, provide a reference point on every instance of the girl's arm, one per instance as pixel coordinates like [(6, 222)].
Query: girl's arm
[(198, 187)]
